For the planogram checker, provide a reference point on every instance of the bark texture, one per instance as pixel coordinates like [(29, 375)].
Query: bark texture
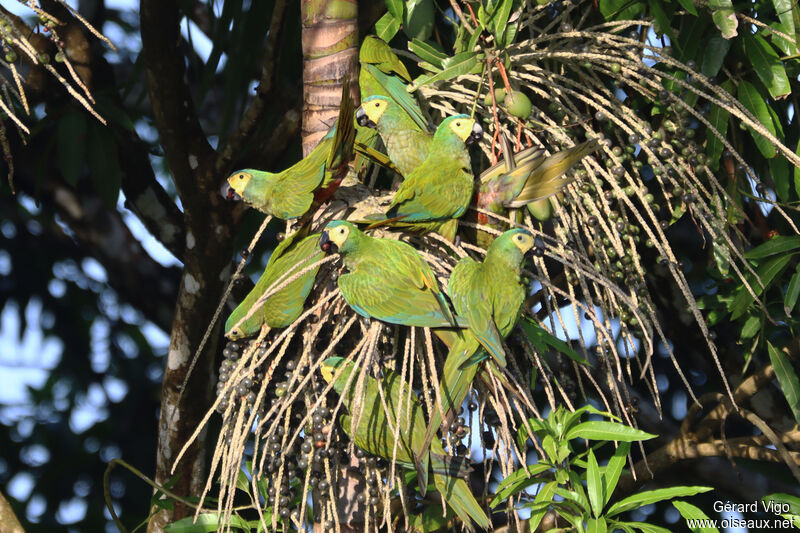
[(330, 50), (8, 520), (206, 253)]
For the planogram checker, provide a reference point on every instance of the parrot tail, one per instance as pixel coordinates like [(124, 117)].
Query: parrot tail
[(457, 494)]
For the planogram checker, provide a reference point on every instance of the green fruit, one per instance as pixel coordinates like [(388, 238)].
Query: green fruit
[(11, 56), (541, 209), (499, 96), (518, 105)]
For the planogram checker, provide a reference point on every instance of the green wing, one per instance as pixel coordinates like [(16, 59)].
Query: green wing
[(284, 306), (394, 88), (375, 51), (471, 291), (344, 132), (394, 288), (432, 192)]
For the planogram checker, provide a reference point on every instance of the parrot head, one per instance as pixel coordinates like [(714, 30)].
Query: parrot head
[(328, 370), (371, 110), (233, 188), (464, 127), (335, 235), (514, 244)]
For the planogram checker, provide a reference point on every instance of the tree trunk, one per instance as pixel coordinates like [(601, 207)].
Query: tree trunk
[(207, 254), (330, 50), (8, 520)]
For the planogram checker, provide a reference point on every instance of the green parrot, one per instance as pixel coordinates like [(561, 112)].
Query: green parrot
[(383, 74), (438, 192), (374, 434), (388, 279), (282, 308), (532, 177), (289, 194), (490, 295), (407, 144)]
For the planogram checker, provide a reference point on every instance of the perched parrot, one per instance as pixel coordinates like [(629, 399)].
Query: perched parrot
[(407, 144), (282, 308), (490, 295), (383, 74), (374, 434), (289, 194), (388, 279), (532, 176), (438, 192)]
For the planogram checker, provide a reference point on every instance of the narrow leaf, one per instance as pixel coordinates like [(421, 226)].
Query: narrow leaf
[(387, 27), (691, 512), (594, 484), (778, 245), (715, 51), (71, 147), (651, 496), (601, 430), (545, 495), (451, 69), (518, 481), (724, 17), (596, 525), (787, 378), (755, 103), (792, 292), (689, 6), (614, 469), (718, 117), (427, 52), (768, 65)]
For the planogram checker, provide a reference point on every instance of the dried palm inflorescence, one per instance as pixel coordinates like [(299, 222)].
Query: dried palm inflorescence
[(23, 52), (592, 263)]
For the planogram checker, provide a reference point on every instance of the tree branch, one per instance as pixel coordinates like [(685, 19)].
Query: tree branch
[(9, 523), (265, 88)]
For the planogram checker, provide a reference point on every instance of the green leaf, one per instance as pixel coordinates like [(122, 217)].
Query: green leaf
[(387, 27), (792, 292), (716, 48), (648, 528), (778, 245), (430, 519), (427, 52), (614, 469), (242, 483), (752, 99), (797, 172), (689, 6), (500, 18), (395, 8), (594, 484), (786, 46), (768, 65), (787, 499), (783, 8), (541, 339), (691, 512), (779, 169), (575, 497), (766, 274), (545, 495), (718, 118), (419, 18), (452, 67), (724, 17), (71, 147), (602, 430), (518, 481), (661, 19), (751, 326), (651, 496), (787, 378), (104, 167), (206, 523), (596, 525), (620, 9)]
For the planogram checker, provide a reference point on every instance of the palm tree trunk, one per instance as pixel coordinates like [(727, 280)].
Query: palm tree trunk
[(330, 50)]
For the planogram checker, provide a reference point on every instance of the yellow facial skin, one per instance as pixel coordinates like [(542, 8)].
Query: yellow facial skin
[(523, 241), (374, 109), (463, 127), (235, 334), (239, 181), (338, 235), (327, 372)]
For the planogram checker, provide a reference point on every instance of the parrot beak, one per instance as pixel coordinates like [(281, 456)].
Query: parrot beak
[(477, 134), (363, 120), (228, 193), (326, 244)]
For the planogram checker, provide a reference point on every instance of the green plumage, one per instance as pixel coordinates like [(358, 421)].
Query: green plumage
[(438, 192), (532, 176), (372, 429), (290, 194), (387, 279), (490, 296), (284, 306), (407, 144)]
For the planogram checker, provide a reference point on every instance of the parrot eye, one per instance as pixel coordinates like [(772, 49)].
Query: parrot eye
[(377, 104), (458, 124)]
